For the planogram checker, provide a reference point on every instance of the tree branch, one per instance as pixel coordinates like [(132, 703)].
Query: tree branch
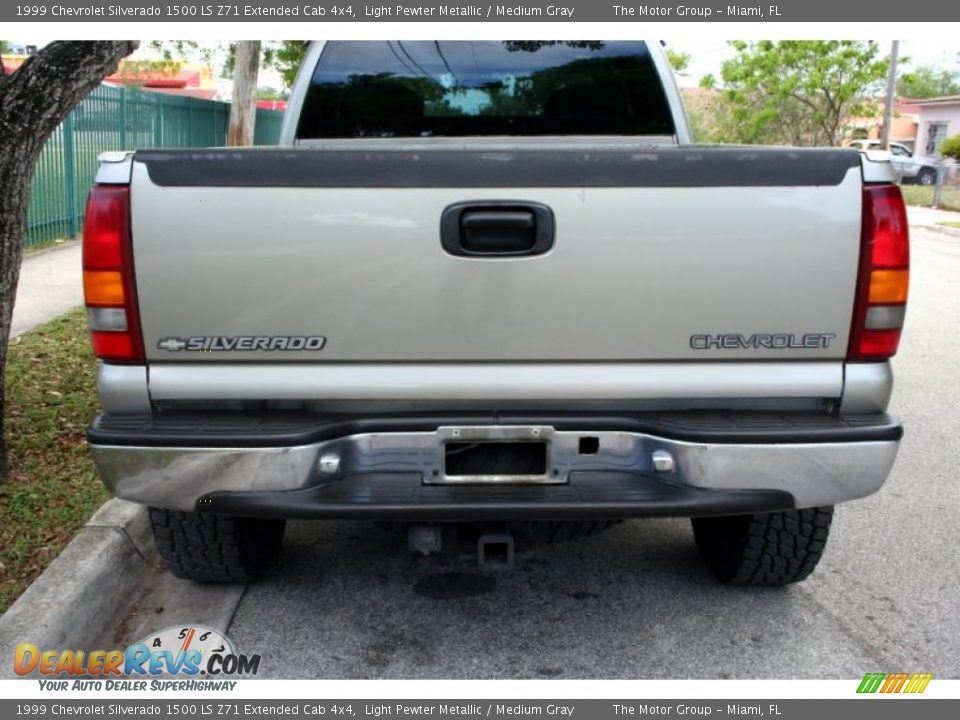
[(50, 83)]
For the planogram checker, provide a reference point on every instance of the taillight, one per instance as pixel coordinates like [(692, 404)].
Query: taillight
[(108, 284), (883, 277)]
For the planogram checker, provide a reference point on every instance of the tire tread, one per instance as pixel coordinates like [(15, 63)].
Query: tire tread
[(767, 550), (214, 548)]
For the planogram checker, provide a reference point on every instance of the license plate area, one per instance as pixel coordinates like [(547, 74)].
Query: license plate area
[(494, 455)]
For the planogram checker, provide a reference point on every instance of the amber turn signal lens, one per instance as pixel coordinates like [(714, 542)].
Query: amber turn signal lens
[(102, 287), (889, 286)]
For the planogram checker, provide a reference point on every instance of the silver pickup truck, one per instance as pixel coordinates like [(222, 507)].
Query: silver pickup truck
[(493, 285)]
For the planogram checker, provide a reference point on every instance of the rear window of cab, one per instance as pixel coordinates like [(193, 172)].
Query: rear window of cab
[(466, 88)]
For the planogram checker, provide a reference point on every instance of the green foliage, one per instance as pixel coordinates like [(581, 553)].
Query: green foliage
[(799, 92), (950, 148), (3, 46), (185, 50), (268, 93), (928, 81), (679, 61), (52, 488), (286, 57), (230, 63)]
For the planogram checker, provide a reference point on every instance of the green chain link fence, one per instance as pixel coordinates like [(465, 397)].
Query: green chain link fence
[(119, 118)]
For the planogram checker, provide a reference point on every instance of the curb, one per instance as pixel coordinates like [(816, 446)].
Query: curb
[(76, 601), (942, 229), (65, 245)]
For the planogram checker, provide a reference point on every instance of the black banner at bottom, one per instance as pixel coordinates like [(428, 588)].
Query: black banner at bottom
[(872, 707)]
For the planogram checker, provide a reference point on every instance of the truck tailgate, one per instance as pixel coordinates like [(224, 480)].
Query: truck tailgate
[(661, 254)]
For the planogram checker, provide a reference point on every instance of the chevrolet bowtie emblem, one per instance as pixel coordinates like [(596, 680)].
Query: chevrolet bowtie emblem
[(171, 343)]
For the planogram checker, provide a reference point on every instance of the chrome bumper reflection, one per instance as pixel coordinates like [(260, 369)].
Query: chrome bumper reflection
[(814, 473)]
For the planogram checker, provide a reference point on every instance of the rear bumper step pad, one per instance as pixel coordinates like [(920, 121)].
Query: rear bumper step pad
[(404, 497)]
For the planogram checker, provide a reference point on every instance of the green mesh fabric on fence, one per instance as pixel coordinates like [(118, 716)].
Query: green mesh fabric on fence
[(117, 118)]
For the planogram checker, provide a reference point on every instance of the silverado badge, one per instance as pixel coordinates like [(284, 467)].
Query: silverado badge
[(203, 343)]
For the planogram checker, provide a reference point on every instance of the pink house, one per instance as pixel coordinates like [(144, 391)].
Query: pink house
[(903, 130), (939, 119)]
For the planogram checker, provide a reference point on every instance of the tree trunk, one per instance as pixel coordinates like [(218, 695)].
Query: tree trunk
[(33, 101), (243, 109)]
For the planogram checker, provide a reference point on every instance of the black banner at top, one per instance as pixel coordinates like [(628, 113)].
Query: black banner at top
[(472, 11)]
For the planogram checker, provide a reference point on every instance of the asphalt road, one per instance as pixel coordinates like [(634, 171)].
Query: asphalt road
[(347, 601)]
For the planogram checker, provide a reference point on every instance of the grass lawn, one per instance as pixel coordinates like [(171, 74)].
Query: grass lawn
[(51, 489), (923, 195), (950, 224)]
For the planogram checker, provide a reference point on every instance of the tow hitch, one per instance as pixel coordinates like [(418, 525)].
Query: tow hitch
[(491, 547), (495, 551)]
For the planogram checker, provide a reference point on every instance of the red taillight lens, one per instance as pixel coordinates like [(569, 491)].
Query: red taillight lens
[(108, 284), (113, 345), (883, 276), (876, 344), (885, 227), (106, 227)]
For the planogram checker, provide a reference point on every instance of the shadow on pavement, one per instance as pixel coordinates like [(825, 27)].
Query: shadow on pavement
[(347, 600)]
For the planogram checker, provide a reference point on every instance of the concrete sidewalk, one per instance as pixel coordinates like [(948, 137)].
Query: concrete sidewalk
[(51, 283), (929, 218)]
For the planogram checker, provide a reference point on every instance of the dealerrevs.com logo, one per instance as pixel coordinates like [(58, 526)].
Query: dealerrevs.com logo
[(201, 656)]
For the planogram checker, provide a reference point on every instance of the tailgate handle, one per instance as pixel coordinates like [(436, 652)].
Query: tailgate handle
[(499, 228)]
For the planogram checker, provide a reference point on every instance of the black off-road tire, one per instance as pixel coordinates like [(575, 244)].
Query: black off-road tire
[(215, 548), (771, 549)]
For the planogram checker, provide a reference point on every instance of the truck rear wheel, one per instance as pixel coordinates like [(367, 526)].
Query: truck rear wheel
[(770, 549), (215, 548)]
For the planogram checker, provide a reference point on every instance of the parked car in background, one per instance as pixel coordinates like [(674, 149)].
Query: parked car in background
[(921, 169)]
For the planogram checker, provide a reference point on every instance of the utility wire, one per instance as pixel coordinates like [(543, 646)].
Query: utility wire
[(400, 59), (427, 75), (456, 80)]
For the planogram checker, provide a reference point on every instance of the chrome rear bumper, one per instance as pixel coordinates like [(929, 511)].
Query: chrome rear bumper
[(812, 473)]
